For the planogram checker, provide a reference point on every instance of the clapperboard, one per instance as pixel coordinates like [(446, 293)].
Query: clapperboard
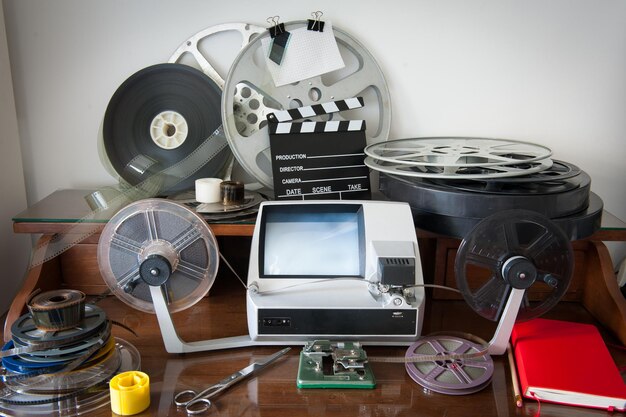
[(318, 160)]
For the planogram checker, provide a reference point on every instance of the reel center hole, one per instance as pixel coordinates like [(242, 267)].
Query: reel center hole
[(169, 129), (58, 299), (448, 363)]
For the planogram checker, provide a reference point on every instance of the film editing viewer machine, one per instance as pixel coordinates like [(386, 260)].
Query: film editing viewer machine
[(342, 270)]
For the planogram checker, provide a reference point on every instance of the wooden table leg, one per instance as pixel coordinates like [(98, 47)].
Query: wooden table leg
[(602, 296)]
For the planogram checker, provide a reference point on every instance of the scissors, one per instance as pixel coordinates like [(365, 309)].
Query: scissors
[(196, 403)]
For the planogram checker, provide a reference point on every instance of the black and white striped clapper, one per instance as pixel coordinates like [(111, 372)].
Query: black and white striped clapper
[(318, 160), (315, 110)]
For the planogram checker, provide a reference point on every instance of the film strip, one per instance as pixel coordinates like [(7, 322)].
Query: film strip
[(150, 187)]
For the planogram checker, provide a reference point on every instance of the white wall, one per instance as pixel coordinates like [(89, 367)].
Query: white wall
[(14, 249), (549, 72)]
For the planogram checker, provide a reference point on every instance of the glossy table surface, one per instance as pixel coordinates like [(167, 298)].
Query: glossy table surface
[(273, 391)]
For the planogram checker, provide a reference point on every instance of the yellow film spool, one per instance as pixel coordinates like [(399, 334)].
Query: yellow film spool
[(130, 393)]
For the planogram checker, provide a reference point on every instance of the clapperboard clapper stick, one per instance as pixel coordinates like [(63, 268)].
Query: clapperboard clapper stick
[(319, 160)]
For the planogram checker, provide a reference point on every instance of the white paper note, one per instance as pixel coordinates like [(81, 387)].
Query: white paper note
[(308, 54)]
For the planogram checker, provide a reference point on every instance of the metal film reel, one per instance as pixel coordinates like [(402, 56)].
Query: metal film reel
[(472, 172), (160, 243), (192, 47), (455, 153), (250, 94), (454, 377), (514, 249), (560, 177)]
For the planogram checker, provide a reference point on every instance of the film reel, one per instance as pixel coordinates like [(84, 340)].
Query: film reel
[(42, 398), (193, 53), (159, 116), (560, 177), (57, 310), (250, 94), (514, 249), (456, 173), (458, 199), (576, 226), (25, 331), (449, 376), (160, 243), (456, 153)]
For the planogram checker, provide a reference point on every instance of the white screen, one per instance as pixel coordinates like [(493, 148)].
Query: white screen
[(312, 244)]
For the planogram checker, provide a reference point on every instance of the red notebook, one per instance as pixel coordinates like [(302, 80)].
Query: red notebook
[(567, 363)]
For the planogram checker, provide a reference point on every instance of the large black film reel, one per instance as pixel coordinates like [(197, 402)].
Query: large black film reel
[(158, 242), (514, 249), (159, 116)]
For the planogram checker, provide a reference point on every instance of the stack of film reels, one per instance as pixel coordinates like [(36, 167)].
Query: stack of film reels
[(61, 357), (452, 183), (516, 210)]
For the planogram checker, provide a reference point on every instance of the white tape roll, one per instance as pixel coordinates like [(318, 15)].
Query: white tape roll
[(208, 190)]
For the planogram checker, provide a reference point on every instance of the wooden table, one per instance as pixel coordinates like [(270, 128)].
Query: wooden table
[(594, 298), (274, 393)]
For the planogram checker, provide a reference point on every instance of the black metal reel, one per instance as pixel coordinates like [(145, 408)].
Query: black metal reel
[(514, 249)]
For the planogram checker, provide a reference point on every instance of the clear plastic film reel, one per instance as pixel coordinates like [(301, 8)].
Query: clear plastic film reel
[(513, 249), (159, 235), (250, 95), (92, 393)]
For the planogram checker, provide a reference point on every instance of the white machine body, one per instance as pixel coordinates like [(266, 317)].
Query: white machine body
[(342, 270)]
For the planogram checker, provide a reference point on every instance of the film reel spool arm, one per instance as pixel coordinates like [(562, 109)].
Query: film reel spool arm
[(156, 270), (500, 339), (159, 256), (171, 339), (518, 249)]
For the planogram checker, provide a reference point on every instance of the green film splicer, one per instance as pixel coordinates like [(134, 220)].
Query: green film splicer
[(334, 365)]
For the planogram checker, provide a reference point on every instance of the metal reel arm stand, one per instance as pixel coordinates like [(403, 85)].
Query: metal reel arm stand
[(174, 344), (500, 339)]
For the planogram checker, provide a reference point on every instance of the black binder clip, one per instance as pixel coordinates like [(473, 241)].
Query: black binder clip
[(280, 38), (316, 24)]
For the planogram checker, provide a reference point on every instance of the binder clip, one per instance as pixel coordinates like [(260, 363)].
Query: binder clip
[(316, 24), (280, 38)]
